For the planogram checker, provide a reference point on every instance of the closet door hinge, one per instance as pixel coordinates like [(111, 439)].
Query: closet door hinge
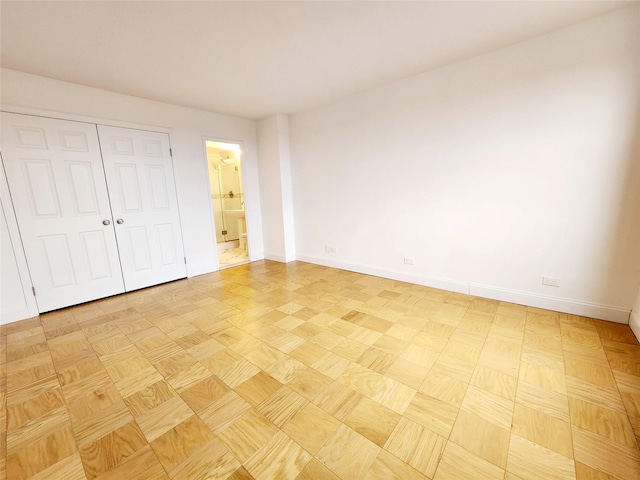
[(185, 260), (33, 289), (171, 152)]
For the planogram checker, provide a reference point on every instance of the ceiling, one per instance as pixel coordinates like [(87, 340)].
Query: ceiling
[(252, 59)]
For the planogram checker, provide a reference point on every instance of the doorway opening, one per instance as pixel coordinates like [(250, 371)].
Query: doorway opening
[(227, 200)]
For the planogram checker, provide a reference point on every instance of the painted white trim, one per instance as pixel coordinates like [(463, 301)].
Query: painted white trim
[(39, 112), (424, 280), (201, 269), (277, 258), (634, 323), (566, 305)]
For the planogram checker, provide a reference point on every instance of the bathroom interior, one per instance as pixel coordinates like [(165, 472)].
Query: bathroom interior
[(227, 199)]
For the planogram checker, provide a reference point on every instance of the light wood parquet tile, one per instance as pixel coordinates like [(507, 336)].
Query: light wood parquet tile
[(37, 455), (543, 429), (407, 373), (280, 457), (546, 401), (481, 437), (434, 414), (315, 470), (203, 393), (309, 383), (164, 417), (112, 449), (213, 460), (45, 425), (376, 360), (602, 421), (174, 446), (530, 461), (460, 464), (141, 465), (373, 421), (605, 397), (389, 467), (299, 371), (348, 454), (331, 365), (248, 434), (281, 406), (311, 427), (69, 468), (417, 446), (616, 460), (444, 388), (224, 411)]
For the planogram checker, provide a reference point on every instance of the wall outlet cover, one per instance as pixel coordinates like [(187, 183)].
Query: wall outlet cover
[(551, 281)]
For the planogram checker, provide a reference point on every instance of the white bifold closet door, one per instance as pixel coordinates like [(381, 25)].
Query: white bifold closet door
[(86, 235), (139, 173), (55, 175)]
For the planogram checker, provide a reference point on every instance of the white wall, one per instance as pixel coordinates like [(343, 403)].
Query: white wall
[(491, 173), (188, 127), (276, 188), (634, 319)]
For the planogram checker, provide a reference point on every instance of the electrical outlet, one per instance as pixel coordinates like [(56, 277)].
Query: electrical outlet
[(327, 249), (332, 250), (551, 281), (409, 261)]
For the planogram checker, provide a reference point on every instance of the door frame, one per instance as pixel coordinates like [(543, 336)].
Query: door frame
[(205, 139)]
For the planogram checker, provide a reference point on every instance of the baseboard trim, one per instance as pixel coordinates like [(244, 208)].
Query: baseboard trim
[(276, 257), (634, 323), (195, 270), (17, 315), (424, 280), (565, 305)]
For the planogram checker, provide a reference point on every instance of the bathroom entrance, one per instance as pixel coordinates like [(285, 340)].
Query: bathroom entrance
[(227, 199)]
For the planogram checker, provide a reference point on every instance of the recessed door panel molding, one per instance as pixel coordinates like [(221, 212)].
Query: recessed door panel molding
[(59, 193), (95, 249), (151, 148), (42, 187), (56, 251), (84, 188), (167, 244), (139, 173), (158, 187), (73, 142), (122, 146), (139, 247), (30, 137), (128, 186)]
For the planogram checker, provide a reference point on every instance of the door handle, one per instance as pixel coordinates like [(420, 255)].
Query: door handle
[(106, 222), (119, 221)]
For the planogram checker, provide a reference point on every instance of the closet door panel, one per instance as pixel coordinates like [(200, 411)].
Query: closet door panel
[(57, 185), (139, 173)]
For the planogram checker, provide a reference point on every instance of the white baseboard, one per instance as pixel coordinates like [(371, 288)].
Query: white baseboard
[(634, 323), (16, 315), (424, 280), (275, 257), (565, 305), (195, 270)]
